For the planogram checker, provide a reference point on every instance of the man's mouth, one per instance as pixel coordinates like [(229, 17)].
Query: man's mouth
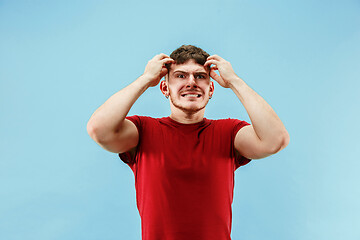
[(189, 95)]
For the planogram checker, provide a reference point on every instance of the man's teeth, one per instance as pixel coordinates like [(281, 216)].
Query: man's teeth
[(191, 95)]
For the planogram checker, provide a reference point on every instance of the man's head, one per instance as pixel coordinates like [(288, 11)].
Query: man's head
[(188, 81), (186, 53)]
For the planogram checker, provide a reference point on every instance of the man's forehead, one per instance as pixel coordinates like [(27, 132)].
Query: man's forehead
[(189, 66)]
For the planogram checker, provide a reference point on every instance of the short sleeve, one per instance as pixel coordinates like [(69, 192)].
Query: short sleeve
[(130, 157), (239, 159)]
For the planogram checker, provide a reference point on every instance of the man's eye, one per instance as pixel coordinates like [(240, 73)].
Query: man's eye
[(180, 76), (200, 77)]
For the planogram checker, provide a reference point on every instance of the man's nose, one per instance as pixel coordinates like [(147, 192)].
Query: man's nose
[(191, 82)]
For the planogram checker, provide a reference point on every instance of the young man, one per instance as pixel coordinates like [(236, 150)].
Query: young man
[(184, 164)]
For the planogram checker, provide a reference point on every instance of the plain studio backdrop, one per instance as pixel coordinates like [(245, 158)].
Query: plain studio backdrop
[(60, 60)]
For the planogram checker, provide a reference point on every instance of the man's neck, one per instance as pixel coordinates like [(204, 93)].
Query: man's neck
[(187, 117)]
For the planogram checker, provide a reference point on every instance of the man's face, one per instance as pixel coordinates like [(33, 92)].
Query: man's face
[(189, 86)]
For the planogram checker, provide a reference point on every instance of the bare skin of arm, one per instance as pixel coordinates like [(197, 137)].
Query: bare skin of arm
[(108, 126), (267, 134)]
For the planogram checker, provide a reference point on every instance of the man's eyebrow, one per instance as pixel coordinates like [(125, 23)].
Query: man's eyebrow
[(179, 71), (200, 72)]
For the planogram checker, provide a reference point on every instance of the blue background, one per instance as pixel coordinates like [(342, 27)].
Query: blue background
[(60, 60)]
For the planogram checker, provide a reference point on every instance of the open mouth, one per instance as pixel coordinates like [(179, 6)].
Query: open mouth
[(191, 95)]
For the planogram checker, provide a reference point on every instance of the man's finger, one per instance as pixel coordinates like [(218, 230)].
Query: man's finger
[(161, 56), (209, 62), (164, 71), (214, 57), (214, 75), (167, 60)]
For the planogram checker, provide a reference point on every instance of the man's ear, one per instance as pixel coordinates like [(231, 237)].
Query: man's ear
[(164, 88), (211, 92)]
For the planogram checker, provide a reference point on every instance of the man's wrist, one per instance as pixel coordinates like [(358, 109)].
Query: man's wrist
[(143, 82), (236, 83)]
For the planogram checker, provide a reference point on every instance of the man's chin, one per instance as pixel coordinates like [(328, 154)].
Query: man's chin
[(189, 108)]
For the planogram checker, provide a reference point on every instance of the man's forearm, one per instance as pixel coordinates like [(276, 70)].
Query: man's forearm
[(109, 117), (266, 123)]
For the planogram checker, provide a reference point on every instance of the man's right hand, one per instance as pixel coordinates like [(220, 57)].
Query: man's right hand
[(155, 69)]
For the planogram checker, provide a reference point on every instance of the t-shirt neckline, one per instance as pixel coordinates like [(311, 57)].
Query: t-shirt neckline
[(203, 121)]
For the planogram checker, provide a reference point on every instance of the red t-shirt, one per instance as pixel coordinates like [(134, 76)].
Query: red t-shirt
[(184, 177)]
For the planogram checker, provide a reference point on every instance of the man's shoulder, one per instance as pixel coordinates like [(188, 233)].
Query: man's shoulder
[(144, 119), (225, 120), (228, 123), (168, 119)]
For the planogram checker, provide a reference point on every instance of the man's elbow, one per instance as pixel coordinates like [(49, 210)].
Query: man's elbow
[(281, 143), (90, 130), (93, 132)]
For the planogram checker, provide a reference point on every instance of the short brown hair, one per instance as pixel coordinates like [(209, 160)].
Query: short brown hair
[(187, 52)]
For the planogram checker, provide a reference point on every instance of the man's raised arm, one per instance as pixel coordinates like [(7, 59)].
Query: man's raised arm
[(108, 126), (267, 134)]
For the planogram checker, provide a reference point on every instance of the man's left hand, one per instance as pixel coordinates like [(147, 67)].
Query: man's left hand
[(227, 74)]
